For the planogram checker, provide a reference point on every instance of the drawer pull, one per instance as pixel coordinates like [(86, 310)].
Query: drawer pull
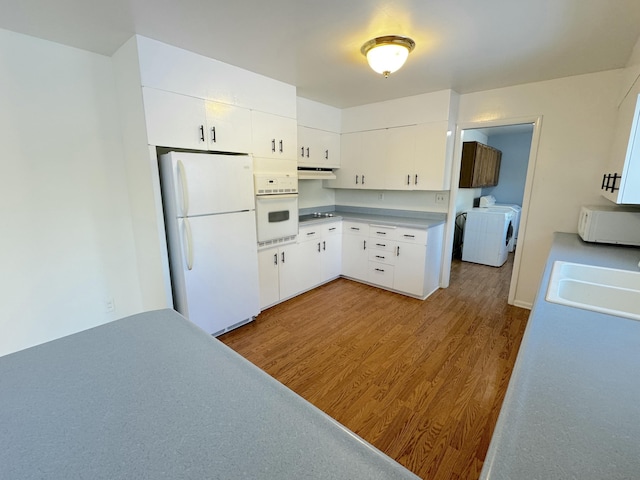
[(332, 229), (379, 270), (409, 236), (311, 233), (381, 233), (380, 256), (355, 228), (380, 245)]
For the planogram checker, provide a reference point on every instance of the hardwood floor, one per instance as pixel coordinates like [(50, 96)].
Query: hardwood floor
[(423, 381)]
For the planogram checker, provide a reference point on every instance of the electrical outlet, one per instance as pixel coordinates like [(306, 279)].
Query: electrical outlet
[(109, 305), (381, 196), (441, 198)]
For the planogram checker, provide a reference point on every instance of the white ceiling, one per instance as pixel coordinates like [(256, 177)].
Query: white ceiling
[(465, 45)]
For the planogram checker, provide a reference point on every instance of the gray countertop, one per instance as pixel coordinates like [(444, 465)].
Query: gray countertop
[(152, 396), (425, 221), (572, 409)]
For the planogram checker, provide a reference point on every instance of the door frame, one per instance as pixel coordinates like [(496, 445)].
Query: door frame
[(455, 176)]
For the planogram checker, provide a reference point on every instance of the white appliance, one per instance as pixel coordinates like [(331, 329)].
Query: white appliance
[(276, 208), (489, 201), (211, 232), (487, 234), (610, 224)]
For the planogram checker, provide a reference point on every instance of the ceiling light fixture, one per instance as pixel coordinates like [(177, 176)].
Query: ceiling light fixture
[(388, 53)]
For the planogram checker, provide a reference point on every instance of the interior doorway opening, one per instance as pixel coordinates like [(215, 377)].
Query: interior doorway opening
[(518, 140)]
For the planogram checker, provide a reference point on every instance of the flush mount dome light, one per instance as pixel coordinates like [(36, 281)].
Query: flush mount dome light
[(387, 54)]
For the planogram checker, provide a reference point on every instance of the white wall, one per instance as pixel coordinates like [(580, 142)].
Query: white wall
[(67, 245), (312, 194), (577, 127), (396, 200), (515, 148)]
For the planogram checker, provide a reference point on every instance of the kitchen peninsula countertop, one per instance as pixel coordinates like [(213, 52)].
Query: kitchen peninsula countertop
[(152, 396), (401, 218), (572, 409)]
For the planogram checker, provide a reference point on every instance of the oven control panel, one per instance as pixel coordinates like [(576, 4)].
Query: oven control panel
[(275, 184)]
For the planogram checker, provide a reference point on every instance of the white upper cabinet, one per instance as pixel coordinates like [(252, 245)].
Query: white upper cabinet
[(621, 182), (318, 148), (433, 156), (413, 157), (174, 120), (181, 121), (228, 127), (174, 69), (273, 136)]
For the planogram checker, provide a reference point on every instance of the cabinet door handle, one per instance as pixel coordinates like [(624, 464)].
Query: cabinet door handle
[(275, 258), (282, 146), (318, 247), (282, 257), (273, 145), (213, 134), (362, 179), (356, 179), (202, 133), (364, 247), (416, 179), (398, 252), (307, 152), (324, 245), (408, 179), (326, 154), (302, 152)]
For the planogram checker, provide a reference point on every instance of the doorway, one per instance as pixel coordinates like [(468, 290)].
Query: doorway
[(518, 139)]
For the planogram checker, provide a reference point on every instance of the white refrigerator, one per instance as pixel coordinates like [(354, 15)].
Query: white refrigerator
[(211, 233)]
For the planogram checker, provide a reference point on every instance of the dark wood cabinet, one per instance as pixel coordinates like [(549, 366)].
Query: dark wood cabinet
[(480, 165)]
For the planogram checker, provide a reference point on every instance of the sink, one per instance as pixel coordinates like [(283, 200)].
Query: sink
[(605, 290)]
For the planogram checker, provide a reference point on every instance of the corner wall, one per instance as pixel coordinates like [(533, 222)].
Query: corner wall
[(67, 247)]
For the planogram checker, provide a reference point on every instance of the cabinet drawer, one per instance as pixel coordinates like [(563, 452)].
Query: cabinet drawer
[(312, 232), (333, 228), (412, 235), (383, 231), (382, 256), (380, 274), (382, 244), (355, 228)]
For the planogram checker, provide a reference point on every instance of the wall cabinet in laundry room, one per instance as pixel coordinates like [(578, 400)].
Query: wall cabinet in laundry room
[(480, 165)]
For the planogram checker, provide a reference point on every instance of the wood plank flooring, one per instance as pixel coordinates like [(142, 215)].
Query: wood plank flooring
[(423, 381)]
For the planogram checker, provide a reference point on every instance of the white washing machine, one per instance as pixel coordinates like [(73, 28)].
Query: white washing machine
[(487, 235), (489, 201)]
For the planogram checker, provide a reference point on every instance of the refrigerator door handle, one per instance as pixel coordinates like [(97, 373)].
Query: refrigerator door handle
[(187, 242), (183, 189)]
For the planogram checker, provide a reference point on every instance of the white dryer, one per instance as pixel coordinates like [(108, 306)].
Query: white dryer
[(487, 235)]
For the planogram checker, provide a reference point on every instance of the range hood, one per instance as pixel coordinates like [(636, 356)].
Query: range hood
[(316, 174)]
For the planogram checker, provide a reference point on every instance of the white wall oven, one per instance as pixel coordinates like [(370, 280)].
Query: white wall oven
[(276, 208)]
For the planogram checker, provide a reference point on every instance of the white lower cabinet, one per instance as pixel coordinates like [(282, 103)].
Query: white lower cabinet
[(405, 260), (355, 255), (278, 269), (291, 269)]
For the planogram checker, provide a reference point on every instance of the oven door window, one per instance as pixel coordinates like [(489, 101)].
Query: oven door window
[(279, 216)]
